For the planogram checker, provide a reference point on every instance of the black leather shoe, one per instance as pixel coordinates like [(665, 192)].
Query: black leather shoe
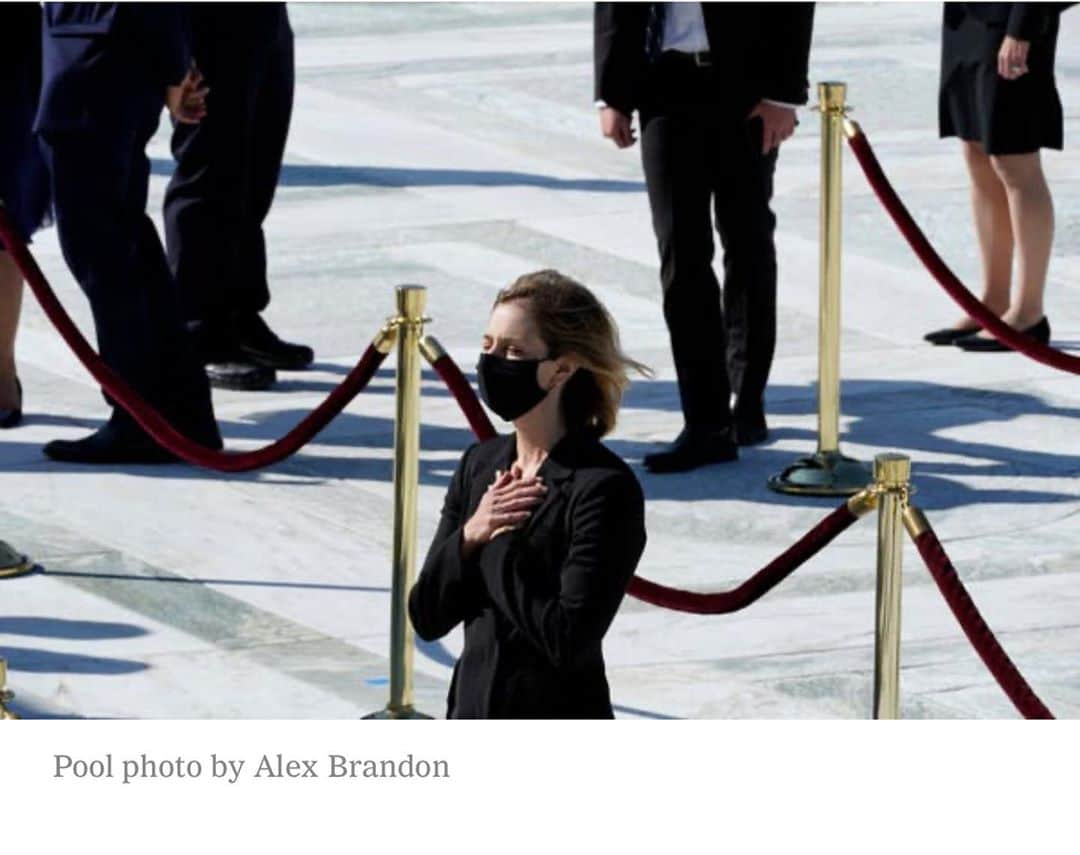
[(980, 344), (11, 417), (749, 422), (240, 375), (260, 345), (949, 335), (751, 434), (108, 445), (693, 449)]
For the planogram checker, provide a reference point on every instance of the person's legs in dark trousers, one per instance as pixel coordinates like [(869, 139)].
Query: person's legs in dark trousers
[(678, 161), (746, 225), (208, 196), (272, 111), (99, 184), (221, 192), (677, 169)]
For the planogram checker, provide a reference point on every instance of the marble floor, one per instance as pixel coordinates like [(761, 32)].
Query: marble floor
[(456, 146)]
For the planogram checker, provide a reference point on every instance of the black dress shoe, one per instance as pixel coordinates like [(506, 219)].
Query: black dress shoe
[(108, 444), (260, 345), (950, 335), (11, 416), (241, 375), (754, 434), (979, 344), (693, 449)]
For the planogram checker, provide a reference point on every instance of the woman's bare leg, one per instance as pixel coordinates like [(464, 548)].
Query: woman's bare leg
[(1031, 211), (993, 230), (11, 288)]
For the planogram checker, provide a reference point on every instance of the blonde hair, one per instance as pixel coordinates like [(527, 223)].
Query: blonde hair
[(572, 321)]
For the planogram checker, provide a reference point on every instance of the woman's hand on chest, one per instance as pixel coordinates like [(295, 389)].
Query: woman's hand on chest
[(506, 505)]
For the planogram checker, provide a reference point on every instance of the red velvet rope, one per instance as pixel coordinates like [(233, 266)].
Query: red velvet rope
[(975, 628), (149, 418), (660, 595), (941, 272), (758, 585)]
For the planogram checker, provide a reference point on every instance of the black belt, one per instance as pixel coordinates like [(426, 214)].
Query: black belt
[(701, 58)]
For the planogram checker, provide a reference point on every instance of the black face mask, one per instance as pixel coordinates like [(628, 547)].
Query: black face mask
[(509, 386)]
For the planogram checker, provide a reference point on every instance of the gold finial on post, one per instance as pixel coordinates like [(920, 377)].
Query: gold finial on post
[(892, 483), (409, 323), (12, 562), (828, 472)]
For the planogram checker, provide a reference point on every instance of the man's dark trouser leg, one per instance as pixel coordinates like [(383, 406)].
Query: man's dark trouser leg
[(746, 225), (99, 184), (272, 113), (226, 173), (676, 156)]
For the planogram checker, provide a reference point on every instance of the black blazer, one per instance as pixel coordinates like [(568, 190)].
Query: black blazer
[(535, 602), (761, 50), (1025, 21)]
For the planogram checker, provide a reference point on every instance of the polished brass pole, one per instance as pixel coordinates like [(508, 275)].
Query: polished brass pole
[(828, 472), (5, 694), (411, 300), (830, 225), (892, 477)]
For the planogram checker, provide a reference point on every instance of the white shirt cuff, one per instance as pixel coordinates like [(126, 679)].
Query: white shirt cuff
[(781, 104)]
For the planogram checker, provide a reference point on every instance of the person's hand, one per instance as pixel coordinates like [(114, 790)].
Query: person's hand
[(616, 127), (777, 124), (506, 504), (187, 102), (1012, 58)]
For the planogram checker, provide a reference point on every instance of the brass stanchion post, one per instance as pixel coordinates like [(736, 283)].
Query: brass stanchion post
[(892, 477), (12, 562), (5, 694), (828, 472), (411, 300)]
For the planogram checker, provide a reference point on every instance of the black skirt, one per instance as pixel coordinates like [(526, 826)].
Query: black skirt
[(977, 104)]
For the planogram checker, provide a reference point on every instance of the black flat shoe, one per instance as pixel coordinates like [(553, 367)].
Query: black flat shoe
[(108, 445), (978, 344), (11, 417), (260, 345), (949, 335), (693, 449)]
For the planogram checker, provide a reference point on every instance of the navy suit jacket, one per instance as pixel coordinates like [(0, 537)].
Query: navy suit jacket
[(95, 55)]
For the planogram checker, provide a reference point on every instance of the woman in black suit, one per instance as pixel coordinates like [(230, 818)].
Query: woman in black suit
[(999, 96), (24, 181), (541, 529)]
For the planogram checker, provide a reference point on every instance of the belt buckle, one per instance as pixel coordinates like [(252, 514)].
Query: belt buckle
[(702, 59)]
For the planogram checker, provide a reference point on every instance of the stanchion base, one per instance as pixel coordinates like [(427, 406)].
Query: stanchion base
[(13, 563), (825, 474), (399, 712)]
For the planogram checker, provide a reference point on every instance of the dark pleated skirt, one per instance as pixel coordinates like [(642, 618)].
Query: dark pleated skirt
[(24, 180), (978, 105)]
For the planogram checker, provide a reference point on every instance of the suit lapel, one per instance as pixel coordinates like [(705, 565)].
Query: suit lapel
[(556, 471)]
